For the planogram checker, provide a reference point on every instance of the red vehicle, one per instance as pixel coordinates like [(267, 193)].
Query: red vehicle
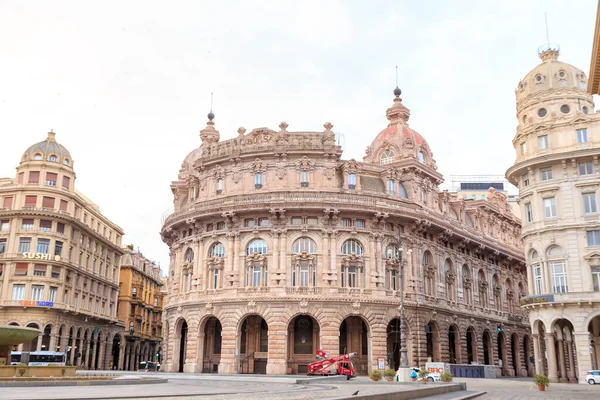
[(339, 365)]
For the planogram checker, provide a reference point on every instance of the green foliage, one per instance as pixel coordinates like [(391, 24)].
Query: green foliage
[(446, 376), (389, 373), (375, 375), (541, 380), (423, 373)]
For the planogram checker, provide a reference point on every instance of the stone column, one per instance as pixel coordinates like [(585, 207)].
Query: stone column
[(122, 354), (200, 352), (370, 264), (584, 360), (227, 365), (276, 250), (229, 254), (102, 349), (537, 354), (324, 264), (571, 371), (94, 348), (552, 365), (39, 342), (73, 351), (561, 360), (283, 251), (64, 341), (87, 352), (277, 363), (333, 253), (53, 340), (191, 349)]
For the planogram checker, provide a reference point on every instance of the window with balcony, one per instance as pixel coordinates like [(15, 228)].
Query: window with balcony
[(18, 292), (51, 178), (43, 246), (589, 203), (45, 225), (582, 136), (351, 181), (546, 174), (24, 245), (304, 179), (219, 186), (537, 279), (586, 168), (550, 207), (27, 224), (593, 238), (258, 180)]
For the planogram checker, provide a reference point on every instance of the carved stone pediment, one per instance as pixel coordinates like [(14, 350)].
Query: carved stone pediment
[(258, 166), (467, 283), (352, 166), (430, 271), (352, 260), (450, 277), (215, 263), (256, 259), (305, 164)]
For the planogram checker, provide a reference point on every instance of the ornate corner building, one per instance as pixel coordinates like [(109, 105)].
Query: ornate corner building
[(279, 247), (140, 308), (556, 171), (59, 259)]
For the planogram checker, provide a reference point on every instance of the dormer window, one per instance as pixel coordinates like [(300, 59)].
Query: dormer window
[(422, 157), (53, 158), (66, 161), (37, 156), (304, 179), (258, 180), (219, 186), (387, 157), (351, 181)]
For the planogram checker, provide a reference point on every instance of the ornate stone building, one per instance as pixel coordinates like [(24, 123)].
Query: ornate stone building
[(279, 247), (556, 171), (59, 259), (140, 308)]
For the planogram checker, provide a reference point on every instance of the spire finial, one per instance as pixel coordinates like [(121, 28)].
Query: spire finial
[(549, 51), (397, 91), (211, 115)]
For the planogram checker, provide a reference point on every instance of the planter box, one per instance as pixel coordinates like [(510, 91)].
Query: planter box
[(9, 371)]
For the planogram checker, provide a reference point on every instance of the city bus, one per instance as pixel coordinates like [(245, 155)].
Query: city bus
[(38, 358)]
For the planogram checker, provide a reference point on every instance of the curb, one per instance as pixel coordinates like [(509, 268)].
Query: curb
[(83, 383)]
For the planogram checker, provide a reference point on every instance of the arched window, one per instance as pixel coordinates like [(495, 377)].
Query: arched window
[(533, 255), (554, 251), (37, 156), (483, 289), (134, 292), (304, 269), (53, 158), (422, 157), (387, 157), (430, 273), (257, 246), (450, 280), (217, 250), (402, 191), (391, 252), (66, 161), (453, 214), (468, 220), (352, 246), (467, 285), (189, 256), (304, 244)]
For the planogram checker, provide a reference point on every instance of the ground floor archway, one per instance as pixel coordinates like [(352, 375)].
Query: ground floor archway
[(453, 345), (182, 334), (502, 354), (471, 345), (354, 338), (488, 353), (433, 342), (514, 350), (211, 355), (254, 345), (303, 341)]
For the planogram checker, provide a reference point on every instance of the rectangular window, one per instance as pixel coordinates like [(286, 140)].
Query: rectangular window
[(37, 292), (582, 136), (589, 203), (219, 186), (586, 168), (7, 203), (43, 246), (45, 225), (34, 177), (21, 178), (393, 279), (2, 246), (559, 277), (250, 222), (360, 223), (391, 186), (264, 222), (543, 142), (596, 278), (30, 201), (75, 298), (312, 220), (525, 181), (550, 207), (47, 202), (258, 180), (483, 197), (27, 224), (303, 275), (593, 238), (52, 294), (352, 277), (51, 178), (39, 270), (215, 281), (24, 245), (21, 269), (18, 292), (528, 212), (66, 183), (473, 197), (58, 248), (220, 225), (546, 174), (304, 179), (60, 227), (523, 147), (256, 276), (537, 279), (351, 181), (63, 205), (55, 272), (345, 222), (297, 220)]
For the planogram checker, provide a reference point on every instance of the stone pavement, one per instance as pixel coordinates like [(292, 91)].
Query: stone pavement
[(525, 389)]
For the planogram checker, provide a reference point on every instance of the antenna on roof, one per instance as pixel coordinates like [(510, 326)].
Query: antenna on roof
[(211, 101), (547, 35), (396, 75)]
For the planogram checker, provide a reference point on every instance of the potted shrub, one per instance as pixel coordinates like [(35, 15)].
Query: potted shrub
[(446, 376), (375, 375), (389, 374), (423, 375), (541, 381)]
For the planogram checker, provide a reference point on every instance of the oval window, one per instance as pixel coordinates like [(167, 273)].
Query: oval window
[(538, 78), (584, 109), (542, 112), (561, 74), (565, 109)]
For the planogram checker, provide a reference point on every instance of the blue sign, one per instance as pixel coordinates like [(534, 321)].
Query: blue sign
[(45, 303)]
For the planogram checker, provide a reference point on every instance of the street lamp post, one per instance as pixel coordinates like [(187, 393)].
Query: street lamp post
[(403, 350)]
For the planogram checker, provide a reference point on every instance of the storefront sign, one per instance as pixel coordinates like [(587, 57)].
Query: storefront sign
[(434, 367), (34, 303), (40, 256), (549, 298), (381, 363)]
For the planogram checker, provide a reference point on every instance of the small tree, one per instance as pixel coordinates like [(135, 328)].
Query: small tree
[(423, 373), (541, 380), (389, 374), (446, 377), (375, 375)]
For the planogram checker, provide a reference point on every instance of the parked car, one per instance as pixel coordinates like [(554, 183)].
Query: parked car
[(431, 377), (592, 377)]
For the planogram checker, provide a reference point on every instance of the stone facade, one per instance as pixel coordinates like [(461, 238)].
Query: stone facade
[(59, 259), (140, 308), (556, 171), (279, 248)]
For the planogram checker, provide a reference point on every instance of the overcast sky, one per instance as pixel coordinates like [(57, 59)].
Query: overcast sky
[(126, 85)]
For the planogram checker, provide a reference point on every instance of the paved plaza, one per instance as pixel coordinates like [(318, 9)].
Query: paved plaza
[(263, 387)]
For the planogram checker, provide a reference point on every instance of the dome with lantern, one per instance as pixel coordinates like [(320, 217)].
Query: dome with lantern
[(398, 141), (48, 150)]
